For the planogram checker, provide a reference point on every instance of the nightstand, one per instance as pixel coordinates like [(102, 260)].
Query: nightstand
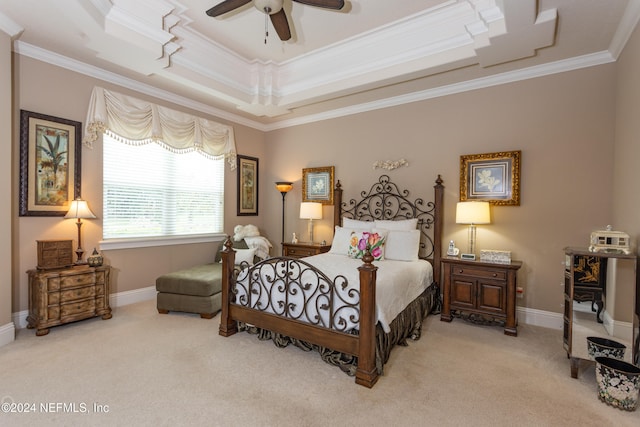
[(300, 250), (481, 290)]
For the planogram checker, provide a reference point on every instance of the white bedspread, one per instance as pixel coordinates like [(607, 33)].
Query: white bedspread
[(397, 282)]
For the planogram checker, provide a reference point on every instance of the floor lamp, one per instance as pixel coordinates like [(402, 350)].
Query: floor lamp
[(79, 209), (283, 188)]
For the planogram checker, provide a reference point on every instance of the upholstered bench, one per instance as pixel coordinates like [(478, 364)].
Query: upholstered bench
[(196, 289), (192, 290)]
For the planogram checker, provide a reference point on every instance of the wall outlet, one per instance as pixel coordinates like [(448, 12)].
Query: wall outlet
[(519, 292)]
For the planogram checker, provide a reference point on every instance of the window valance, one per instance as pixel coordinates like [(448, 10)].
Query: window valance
[(138, 120)]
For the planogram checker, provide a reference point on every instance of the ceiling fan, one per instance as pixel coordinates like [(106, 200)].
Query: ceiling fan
[(274, 9)]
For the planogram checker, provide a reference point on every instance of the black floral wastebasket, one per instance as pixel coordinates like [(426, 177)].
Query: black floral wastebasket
[(618, 383)]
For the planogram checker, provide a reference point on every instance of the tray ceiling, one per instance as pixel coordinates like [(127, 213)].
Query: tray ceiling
[(369, 55)]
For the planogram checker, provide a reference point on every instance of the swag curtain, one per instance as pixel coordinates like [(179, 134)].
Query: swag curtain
[(141, 121)]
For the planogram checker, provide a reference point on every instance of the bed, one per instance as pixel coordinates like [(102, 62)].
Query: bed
[(308, 303)]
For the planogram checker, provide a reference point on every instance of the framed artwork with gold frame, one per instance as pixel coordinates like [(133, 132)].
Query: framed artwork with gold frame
[(50, 152), (491, 177), (317, 184)]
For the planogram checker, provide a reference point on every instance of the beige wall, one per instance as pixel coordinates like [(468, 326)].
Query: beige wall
[(55, 91), (6, 195), (564, 125), (626, 202)]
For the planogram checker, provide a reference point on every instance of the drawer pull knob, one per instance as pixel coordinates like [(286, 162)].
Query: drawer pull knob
[(460, 271), (495, 275)]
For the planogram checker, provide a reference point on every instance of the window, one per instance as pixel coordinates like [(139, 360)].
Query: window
[(150, 190)]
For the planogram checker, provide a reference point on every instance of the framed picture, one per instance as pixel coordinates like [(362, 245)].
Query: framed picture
[(247, 185), (492, 177), (50, 153), (317, 185)]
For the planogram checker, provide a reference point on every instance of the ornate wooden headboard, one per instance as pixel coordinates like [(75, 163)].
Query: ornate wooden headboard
[(385, 201)]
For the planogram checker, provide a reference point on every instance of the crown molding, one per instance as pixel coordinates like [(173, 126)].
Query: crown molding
[(570, 64), (625, 29), (9, 26), (52, 58)]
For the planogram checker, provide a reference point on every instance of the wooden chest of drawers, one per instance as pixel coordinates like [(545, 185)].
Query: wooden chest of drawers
[(65, 295)]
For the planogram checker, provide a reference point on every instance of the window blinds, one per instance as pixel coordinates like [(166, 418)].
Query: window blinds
[(151, 191)]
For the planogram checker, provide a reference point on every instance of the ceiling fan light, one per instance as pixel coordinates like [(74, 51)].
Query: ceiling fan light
[(268, 6)]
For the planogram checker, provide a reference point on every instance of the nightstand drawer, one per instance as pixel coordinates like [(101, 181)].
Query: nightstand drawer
[(480, 272), (73, 280), (76, 294), (300, 252), (83, 307)]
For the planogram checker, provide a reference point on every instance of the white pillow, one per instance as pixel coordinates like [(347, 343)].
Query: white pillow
[(402, 245), (360, 238), (340, 244), (354, 224), (400, 225), (243, 255)]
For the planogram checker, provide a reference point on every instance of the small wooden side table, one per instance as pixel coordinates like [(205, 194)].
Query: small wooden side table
[(302, 249), (482, 289)]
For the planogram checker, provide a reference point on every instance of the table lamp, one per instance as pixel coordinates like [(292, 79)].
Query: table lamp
[(472, 213), (79, 209), (310, 211)]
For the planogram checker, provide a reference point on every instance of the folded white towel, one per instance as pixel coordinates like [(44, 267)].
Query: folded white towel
[(261, 245)]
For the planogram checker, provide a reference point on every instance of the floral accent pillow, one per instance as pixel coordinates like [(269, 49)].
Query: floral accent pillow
[(362, 240)]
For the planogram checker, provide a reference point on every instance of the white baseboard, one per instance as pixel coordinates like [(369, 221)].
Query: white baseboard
[(545, 319), (115, 300), (616, 328), (131, 297), (7, 333)]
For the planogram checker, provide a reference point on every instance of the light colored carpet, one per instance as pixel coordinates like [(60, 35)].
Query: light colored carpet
[(161, 370)]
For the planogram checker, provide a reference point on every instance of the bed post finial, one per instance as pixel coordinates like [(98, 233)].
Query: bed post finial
[(367, 258), (228, 244)]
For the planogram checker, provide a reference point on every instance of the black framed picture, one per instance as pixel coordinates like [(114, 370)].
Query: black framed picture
[(50, 152), (247, 185)]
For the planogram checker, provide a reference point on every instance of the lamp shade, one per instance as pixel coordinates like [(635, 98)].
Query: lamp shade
[(473, 213), (79, 209), (284, 187), (311, 210)]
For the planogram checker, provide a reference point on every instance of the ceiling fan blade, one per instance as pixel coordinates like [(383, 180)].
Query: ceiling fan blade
[(280, 23), (327, 4), (226, 6)]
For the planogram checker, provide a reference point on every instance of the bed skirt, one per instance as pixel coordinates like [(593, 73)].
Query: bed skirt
[(408, 324)]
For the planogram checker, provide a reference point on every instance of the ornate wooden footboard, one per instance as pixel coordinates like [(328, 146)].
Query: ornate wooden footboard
[(302, 302), (287, 280)]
